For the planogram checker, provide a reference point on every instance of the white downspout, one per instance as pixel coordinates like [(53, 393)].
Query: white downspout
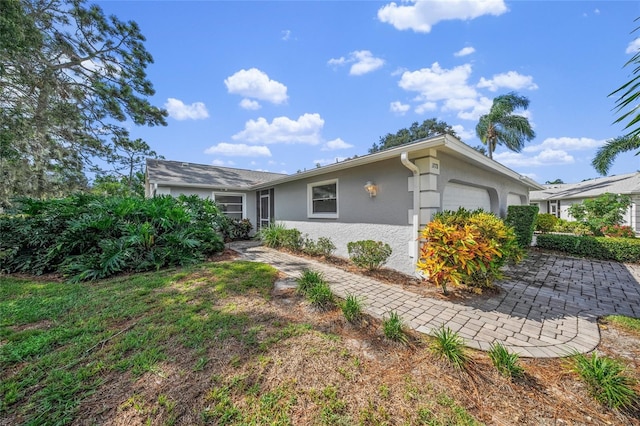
[(404, 157)]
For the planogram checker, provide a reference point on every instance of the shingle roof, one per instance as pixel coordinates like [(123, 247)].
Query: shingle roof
[(620, 184), (178, 172)]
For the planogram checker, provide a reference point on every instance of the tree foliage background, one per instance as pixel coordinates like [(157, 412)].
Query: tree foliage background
[(70, 77), (428, 128)]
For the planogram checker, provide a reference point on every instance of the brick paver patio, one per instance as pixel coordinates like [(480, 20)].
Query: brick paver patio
[(549, 306)]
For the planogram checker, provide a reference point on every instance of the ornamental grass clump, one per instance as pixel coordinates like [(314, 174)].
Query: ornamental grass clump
[(393, 328), (352, 308), (606, 380), (466, 247), (448, 345), (504, 361)]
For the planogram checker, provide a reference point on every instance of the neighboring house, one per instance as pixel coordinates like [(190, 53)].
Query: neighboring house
[(556, 199), (387, 196)]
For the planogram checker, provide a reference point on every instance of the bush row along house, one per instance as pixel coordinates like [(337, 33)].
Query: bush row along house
[(386, 196)]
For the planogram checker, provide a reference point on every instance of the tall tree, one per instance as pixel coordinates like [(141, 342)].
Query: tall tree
[(69, 75), (128, 158), (428, 128), (502, 126), (628, 102)]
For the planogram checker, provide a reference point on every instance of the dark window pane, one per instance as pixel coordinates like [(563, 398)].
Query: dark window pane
[(324, 192), (325, 206), (223, 199)]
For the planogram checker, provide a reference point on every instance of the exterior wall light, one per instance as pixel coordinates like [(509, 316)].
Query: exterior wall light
[(371, 189)]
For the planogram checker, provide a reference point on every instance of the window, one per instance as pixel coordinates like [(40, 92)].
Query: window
[(232, 205), (323, 199)]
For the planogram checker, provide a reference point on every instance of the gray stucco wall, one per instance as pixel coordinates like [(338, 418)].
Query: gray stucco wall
[(389, 207)]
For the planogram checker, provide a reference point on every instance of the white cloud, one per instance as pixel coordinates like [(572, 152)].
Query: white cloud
[(465, 51), (238, 150), (565, 144), (398, 107), (449, 86), (421, 16), (509, 80), (306, 129), (256, 84), (365, 62), (250, 104), (633, 47), (436, 83), (463, 133), (286, 35), (337, 61), (335, 144), (178, 110), (532, 176), (362, 62), (427, 106), (479, 107), (546, 157)]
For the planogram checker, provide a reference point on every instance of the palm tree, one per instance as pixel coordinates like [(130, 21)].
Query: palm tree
[(629, 94), (608, 152), (502, 126)]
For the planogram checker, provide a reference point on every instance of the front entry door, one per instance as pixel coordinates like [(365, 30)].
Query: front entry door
[(264, 203)]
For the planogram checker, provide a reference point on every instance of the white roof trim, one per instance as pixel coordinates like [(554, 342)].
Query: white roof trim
[(446, 141)]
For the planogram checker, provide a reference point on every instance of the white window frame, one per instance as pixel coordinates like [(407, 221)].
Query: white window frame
[(325, 215), (234, 194)]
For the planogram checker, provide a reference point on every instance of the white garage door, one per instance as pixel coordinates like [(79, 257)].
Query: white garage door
[(514, 200), (471, 198)]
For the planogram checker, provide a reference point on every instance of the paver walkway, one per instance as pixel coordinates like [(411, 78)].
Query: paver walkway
[(549, 306)]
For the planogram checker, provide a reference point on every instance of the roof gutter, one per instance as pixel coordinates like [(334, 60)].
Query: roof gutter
[(404, 157)]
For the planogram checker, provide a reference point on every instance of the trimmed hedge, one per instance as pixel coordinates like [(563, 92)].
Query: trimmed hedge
[(523, 221), (618, 249)]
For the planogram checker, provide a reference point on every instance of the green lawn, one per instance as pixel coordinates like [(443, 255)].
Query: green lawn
[(199, 345)]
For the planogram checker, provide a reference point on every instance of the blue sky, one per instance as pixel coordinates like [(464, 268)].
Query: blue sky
[(280, 86)]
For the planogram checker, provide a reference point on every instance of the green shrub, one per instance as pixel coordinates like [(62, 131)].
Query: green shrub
[(606, 380), (235, 229), (393, 328), (523, 221), (272, 234), (291, 240), (309, 279), (606, 210), (546, 222), (352, 308), (448, 345), (466, 247), (323, 247), (320, 296), (505, 362), (368, 254), (572, 227), (617, 249), (91, 236)]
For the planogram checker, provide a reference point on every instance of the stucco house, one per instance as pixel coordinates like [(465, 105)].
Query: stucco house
[(556, 199), (386, 196)]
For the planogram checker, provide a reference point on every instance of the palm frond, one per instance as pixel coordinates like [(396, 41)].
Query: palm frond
[(607, 153)]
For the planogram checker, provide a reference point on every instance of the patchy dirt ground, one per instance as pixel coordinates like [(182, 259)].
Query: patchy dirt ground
[(370, 380)]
